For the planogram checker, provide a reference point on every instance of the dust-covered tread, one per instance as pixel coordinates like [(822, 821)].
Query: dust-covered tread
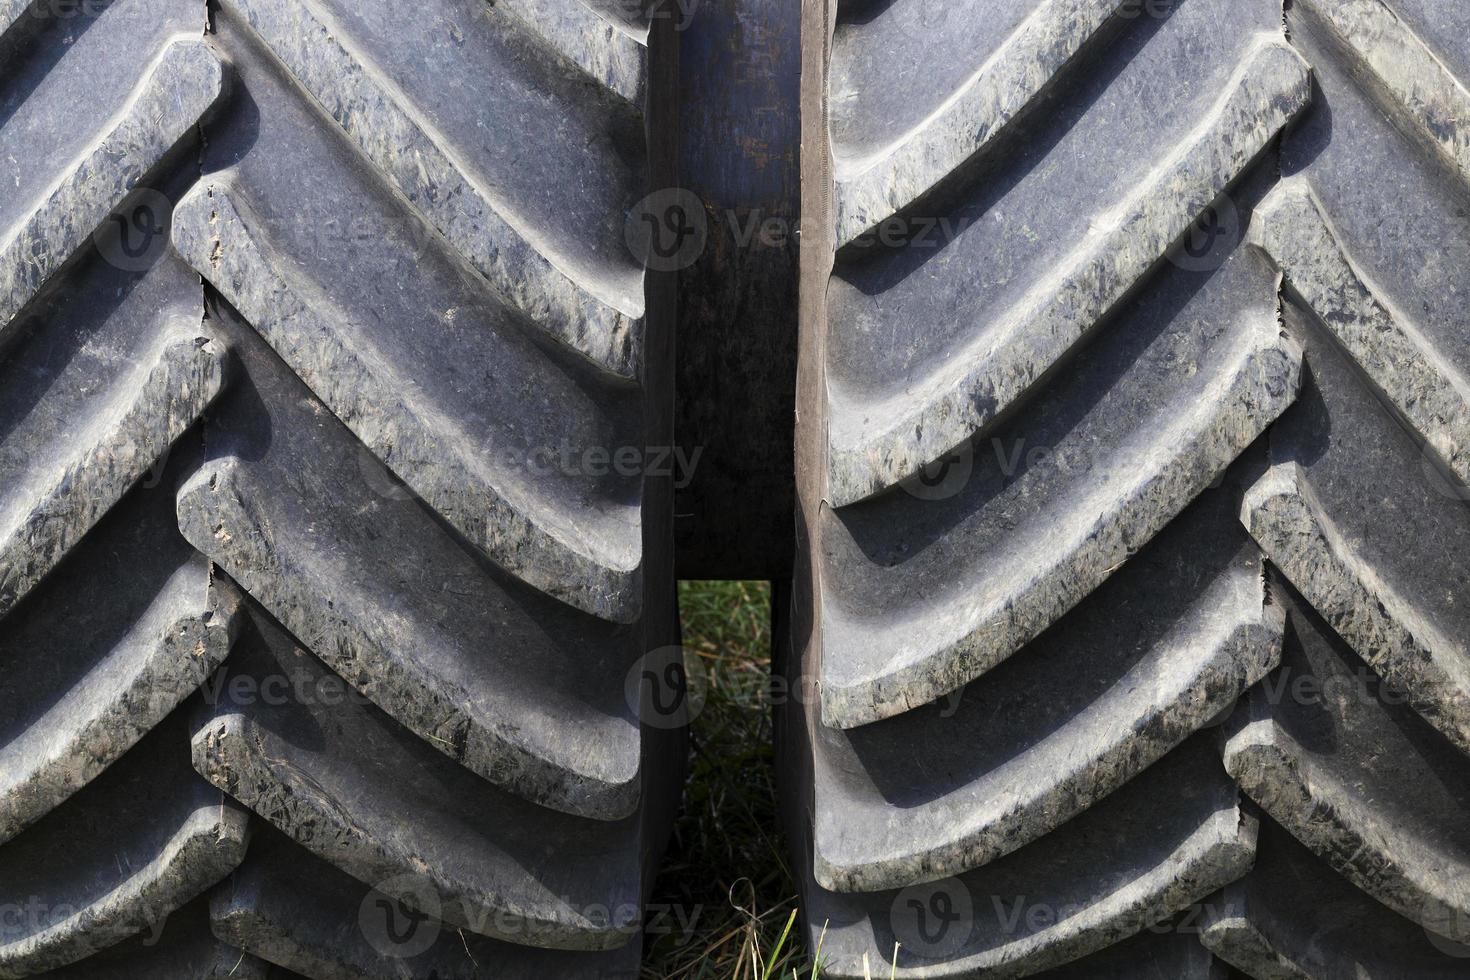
[(1431, 666), (540, 530), (1003, 766), (1123, 866), (183, 84), (878, 439), (1356, 748), (181, 947), (54, 501), (109, 622), (1360, 510), (1350, 485), (1312, 761), (1020, 544), (483, 852), (1025, 423), (1319, 515), (1423, 384), (599, 38), (143, 628), (142, 839), (1294, 918), (119, 364), (316, 925), (598, 312), (1402, 66), (524, 692), (441, 293), (874, 183), (1355, 481)]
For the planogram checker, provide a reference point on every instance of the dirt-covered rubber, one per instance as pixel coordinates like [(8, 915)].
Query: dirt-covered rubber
[(334, 644), (1132, 466)]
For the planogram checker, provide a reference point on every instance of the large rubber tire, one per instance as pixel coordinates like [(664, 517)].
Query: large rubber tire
[(1132, 460), (325, 359)]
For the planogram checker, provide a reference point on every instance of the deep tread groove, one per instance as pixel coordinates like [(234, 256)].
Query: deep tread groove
[(930, 570), (388, 509), (404, 422), (872, 186), (1018, 547), (1003, 770), (313, 926), (182, 84), (599, 316), (144, 629), (524, 692), (480, 850), (878, 441), (144, 838)]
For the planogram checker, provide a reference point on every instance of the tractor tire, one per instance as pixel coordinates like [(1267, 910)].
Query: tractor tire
[(1132, 466), (336, 601)]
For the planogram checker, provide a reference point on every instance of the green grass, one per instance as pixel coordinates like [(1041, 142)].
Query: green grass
[(726, 868)]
